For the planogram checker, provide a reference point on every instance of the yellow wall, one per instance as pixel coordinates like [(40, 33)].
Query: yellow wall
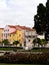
[(16, 36), (19, 36), (12, 37), (1, 30)]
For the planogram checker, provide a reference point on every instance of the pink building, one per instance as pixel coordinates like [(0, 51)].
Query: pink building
[(7, 30)]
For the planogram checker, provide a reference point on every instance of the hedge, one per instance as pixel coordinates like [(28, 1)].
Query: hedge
[(25, 58)]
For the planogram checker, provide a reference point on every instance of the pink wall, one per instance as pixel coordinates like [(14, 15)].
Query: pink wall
[(7, 32)]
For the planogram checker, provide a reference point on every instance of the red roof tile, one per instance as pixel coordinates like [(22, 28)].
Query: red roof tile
[(11, 26), (18, 27), (26, 28)]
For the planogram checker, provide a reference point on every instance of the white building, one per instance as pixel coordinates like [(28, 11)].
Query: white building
[(29, 36), (41, 36)]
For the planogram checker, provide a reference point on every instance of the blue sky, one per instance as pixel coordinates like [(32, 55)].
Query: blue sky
[(18, 12)]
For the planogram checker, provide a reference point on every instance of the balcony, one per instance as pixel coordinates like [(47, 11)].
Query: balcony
[(30, 36)]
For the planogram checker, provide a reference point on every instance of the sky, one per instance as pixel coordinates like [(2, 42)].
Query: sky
[(18, 12)]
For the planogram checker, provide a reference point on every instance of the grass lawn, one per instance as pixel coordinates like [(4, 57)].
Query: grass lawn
[(10, 48), (17, 48), (40, 50), (37, 50)]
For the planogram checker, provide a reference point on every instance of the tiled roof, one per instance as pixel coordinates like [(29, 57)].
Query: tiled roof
[(18, 27), (11, 26), (26, 28)]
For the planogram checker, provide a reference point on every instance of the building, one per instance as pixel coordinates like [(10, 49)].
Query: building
[(1, 30), (41, 36), (28, 36), (16, 35), (7, 31), (23, 34), (12, 33)]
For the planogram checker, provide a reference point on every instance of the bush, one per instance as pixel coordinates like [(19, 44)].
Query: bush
[(25, 58)]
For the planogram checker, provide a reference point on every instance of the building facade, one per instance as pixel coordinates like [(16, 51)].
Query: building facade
[(29, 36), (23, 34), (1, 30)]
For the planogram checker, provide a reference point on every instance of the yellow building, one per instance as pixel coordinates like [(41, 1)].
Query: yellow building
[(16, 36), (1, 30), (12, 33), (19, 35)]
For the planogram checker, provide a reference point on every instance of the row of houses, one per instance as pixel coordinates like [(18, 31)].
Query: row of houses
[(23, 34)]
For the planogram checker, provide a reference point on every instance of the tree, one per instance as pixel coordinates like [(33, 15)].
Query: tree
[(42, 19), (37, 41), (47, 15), (43, 42), (6, 42), (39, 18), (34, 42), (16, 42)]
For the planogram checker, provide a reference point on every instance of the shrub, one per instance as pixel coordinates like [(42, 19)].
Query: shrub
[(26, 58)]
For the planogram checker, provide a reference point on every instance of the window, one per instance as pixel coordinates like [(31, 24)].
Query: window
[(4, 34), (19, 34), (8, 29), (4, 30), (29, 40), (10, 35), (13, 34), (33, 36), (24, 43)]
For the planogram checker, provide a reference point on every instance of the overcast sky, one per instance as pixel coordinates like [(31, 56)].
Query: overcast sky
[(18, 12)]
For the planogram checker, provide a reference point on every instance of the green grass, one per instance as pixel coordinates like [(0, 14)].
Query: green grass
[(10, 48), (40, 50), (33, 50), (37, 50), (18, 64)]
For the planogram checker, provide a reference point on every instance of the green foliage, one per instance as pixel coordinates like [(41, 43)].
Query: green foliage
[(26, 58), (16, 42), (37, 41), (34, 42), (41, 42), (42, 19), (6, 42), (39, 19)]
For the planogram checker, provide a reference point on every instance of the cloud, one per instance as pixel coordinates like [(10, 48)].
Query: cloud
[(19, 12)]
